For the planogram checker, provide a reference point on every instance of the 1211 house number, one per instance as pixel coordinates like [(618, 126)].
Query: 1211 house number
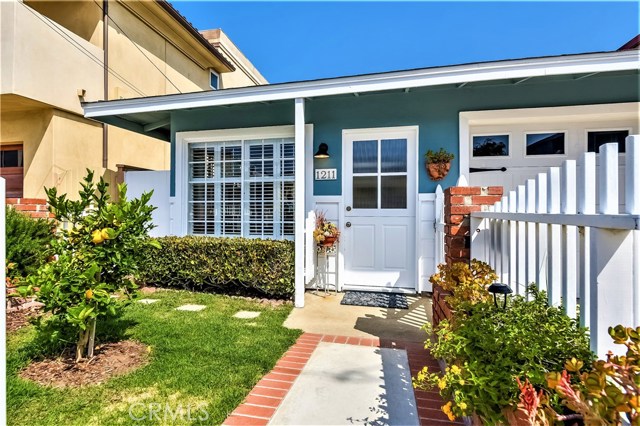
[(326, 174)]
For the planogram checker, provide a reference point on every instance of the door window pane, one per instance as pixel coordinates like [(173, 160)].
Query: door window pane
[(365, 156), (394, 155), (545, 144), (394, 192), (491, 146), (365, 192), (597, 139)]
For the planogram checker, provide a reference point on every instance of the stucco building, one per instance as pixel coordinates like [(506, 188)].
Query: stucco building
[(57, 54)]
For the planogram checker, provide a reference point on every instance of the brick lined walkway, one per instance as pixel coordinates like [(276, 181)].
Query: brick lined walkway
[(263, 400)]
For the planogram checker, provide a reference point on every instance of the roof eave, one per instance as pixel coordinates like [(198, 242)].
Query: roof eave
[(457, 74)]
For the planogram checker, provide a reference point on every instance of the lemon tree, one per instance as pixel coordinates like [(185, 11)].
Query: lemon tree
[(96, 260)]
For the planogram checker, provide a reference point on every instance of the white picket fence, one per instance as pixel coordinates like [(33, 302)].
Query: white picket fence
[(572, 233)]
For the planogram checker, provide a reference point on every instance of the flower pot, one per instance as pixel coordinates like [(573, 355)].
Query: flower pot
[(437, 171), (329, 241)]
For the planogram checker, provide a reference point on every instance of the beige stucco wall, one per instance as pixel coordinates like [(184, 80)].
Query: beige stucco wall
[(34, 130), (46, 60), (245, 73)]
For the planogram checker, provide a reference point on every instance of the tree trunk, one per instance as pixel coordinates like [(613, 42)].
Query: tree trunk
[(92, 338), (83, 338)]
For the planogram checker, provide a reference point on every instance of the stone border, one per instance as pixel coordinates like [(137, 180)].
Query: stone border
[(264, 399)]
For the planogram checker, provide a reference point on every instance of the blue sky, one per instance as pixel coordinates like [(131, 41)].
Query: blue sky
[(289, 41)]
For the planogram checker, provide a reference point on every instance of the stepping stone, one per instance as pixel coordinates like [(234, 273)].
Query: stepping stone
[(247, 314), (193, 308), (147, 301)]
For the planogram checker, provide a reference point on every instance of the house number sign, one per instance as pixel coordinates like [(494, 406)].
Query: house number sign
[(326, 174)]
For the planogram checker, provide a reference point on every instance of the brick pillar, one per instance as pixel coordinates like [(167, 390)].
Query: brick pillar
[(459, 202), (37, 208)]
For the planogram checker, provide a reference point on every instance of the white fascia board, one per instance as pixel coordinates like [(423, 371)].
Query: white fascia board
[(516, 69)]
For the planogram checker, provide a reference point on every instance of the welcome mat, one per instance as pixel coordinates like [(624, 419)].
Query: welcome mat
[(375, 299)]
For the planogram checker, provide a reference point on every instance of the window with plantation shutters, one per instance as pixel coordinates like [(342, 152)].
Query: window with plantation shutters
[(242, 188)]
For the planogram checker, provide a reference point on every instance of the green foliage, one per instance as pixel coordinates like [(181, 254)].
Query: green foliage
[(441, 156), (488, 348), (468, 283), (27, 242), (608, 392), (221, 265), (97, 258)]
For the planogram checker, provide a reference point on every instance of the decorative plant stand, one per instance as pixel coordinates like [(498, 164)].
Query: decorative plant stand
[(324, 252)]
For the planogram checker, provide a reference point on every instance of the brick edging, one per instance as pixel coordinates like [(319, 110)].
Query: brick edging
[(264, 399)]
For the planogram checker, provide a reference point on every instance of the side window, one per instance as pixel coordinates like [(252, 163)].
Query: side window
[(491, 146), (596, 139), (214, 80), (12, 168), (545, 143)]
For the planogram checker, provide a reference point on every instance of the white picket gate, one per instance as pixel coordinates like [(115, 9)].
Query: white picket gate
[(569, 233)]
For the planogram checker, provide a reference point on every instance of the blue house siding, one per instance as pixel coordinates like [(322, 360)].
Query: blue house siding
[(435, 110)]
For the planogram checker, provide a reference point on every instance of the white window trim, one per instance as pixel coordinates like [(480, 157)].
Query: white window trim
[(183, 139), (617, 111), (211, 71)]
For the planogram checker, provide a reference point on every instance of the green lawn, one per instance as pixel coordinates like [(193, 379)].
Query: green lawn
[(199, 359)]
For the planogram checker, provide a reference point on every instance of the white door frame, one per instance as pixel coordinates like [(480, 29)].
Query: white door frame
[(380, 132)]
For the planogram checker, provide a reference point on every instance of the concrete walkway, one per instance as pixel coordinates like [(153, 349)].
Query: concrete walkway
[(348, 384), (323, 314), (361, 376)]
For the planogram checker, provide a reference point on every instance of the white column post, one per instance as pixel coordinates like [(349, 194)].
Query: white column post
[(569, 238), (613, 257), (300, 203), (530, 207), (632, 206), (522, 243), (541, 244), (554, 240), (3, 303), (586, 205)]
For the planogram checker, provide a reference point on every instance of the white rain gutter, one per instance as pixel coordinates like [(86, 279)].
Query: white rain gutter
[(457, 74)]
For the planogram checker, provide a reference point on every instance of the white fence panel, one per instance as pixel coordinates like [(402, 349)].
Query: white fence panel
[(139, 182), (549, 232)]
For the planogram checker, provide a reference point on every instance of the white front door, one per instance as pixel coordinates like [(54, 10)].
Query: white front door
[(379, 190)]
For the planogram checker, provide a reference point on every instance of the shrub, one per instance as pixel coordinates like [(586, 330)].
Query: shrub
[(222, 265), (27, 242), (97, 258), (488, 348), (468, 283)]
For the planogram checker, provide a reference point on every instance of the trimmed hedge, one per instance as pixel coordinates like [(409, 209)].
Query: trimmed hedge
[(221, 265)]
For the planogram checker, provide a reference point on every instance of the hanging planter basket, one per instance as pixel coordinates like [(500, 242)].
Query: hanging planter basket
[(438, 171), (329, 241)]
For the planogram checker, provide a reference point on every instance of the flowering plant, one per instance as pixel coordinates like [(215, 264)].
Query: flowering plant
[(325, 230)]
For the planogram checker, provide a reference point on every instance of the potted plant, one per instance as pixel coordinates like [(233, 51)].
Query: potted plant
[(438, 163), (326, 233)]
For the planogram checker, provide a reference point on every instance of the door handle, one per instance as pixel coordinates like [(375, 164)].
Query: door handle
[(477, 170), (348, 224), (348, 208)]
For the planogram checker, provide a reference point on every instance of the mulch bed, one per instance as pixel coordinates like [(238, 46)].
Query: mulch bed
[(110, 359), (20, 311)]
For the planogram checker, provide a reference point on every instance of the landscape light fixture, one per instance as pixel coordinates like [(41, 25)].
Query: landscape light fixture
[(323, 151), (500, 288)]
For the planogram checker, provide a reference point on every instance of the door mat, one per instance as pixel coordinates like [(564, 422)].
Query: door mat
[(375, 299)]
